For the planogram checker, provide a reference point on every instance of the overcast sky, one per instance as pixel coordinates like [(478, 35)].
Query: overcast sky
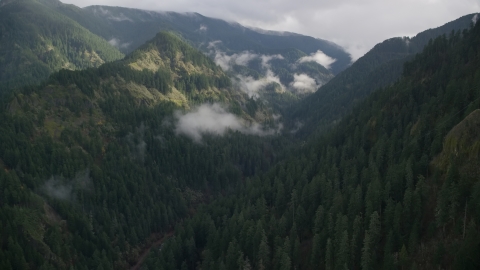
[(357, 25)]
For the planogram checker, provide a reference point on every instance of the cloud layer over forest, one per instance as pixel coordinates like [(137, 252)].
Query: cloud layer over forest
[(320, 58), (214, 119), (61, 188), (304, 83)]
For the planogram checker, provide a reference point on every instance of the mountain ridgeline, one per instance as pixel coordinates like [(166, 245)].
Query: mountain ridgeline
[(379, 67), (36, 41), (93, 169), (258, 60), (393, 186), (44, 36), (132, 27), (185, 149)]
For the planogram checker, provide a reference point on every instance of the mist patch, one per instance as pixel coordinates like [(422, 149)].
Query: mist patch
[(319, 57), (215, 119), (61, 188)]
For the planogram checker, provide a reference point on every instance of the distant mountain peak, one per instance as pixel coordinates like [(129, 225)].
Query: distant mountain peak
[(171, 48)]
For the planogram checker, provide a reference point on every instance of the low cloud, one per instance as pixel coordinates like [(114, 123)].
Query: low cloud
[(351, 24), (55, 188), (303, 83), (226, 61), (475, 19), (203, 28), (119, 18), (102, 11), (320, 58), (247, 84), (244, 58), (223, 60), (60, 188), (116, 43), (267, 58), (298, 125), (251, 86), (214, 119)]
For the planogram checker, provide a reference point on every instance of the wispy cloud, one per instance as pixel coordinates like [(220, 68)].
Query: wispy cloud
[(214, 119), (226, 61), (297, 127), (475, 19), (119, 18), (318, 57), (251, 86), (247, 84), (303, 83), (352, 24), (244, 58), (223, 60), (116, 43), (267, 58), (203, 28), (60, 188)]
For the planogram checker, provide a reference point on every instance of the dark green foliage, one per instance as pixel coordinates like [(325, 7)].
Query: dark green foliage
[(133, 190), (366, 189), (215, 37), (142, 26), (36, 41), (382, 189), (95, 194), (378, 68)]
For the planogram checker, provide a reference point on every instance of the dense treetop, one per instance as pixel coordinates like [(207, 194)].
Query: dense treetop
[(36, 41), (93, 171), (394, 185)]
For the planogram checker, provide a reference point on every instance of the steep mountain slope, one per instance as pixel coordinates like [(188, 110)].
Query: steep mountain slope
[(164, 70), (96, 164), (129, 28), (132, 27), (274, 66), (380, 67), (378, 191), (36, 41), (258, 61)]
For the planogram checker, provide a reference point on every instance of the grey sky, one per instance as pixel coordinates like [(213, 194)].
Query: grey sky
[(356, 25)]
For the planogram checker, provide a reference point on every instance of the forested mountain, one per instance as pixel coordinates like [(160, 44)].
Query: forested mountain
[(260, 62), (132, 27), (95, 163), (36, 40), (278, 67), (395, 185), (380, 67), (170, 145)]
